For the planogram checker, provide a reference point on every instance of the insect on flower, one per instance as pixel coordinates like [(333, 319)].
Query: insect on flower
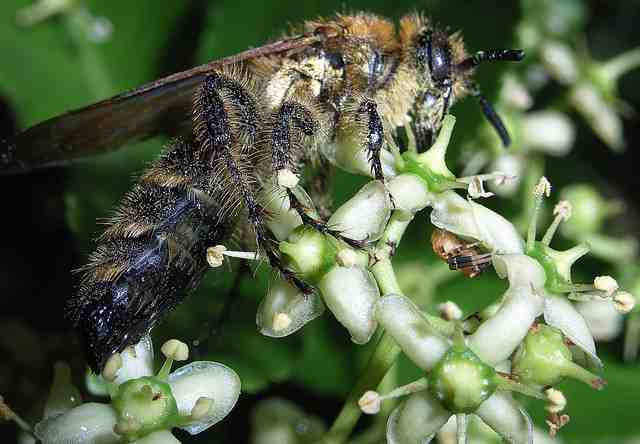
[(459, 254), (345, 84)]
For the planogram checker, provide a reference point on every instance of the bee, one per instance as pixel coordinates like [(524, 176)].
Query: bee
[(460, 255), (245, 120)]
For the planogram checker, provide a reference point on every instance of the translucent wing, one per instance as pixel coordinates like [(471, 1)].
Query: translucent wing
[(159, 107)]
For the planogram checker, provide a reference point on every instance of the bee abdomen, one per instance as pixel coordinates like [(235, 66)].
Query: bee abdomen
[(153, 253)]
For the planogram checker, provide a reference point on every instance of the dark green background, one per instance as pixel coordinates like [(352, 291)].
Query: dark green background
[(49, 217)]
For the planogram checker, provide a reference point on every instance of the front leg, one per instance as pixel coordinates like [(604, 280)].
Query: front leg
[(227, 118), (296, 131)]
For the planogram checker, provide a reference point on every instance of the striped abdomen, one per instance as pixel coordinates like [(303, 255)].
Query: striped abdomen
[(151, 255)]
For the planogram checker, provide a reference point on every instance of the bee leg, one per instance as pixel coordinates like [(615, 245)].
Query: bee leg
[(360, 123), (226, 137), (292, 124)]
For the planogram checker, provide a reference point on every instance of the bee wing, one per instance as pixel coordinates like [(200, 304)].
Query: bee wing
[(159, 107)]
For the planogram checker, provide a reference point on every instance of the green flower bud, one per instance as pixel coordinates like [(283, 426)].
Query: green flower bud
[(544, 359), (309, 253), (144, 405), (461, 381)]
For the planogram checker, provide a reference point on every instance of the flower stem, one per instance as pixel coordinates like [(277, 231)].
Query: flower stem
[(382, 359), (386, 350), (622, 63)]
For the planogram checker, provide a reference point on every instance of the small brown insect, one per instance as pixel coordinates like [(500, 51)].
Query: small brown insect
[(459, 254)]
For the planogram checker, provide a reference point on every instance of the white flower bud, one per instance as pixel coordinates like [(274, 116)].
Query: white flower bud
[(559, 59), (624, 301), (503, 414), (175, 349), (606, 283), (416, 420), (365, 215), (89, 422), (347, 257), (351, 294), (556, 400), (600, 115), (561, 314), (285, 309), (209, 380), (370, 402), (551, 132), (402, 319), (159, 437), (351, 156), (468, 219), (602, 318), (410, 193), (282, 218)]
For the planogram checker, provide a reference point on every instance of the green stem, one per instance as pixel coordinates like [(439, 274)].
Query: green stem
[(382, 359), (461, 425), (622, 63)]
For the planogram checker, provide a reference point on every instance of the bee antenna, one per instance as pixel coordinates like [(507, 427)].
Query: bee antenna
[(492, 116), (492, 55)]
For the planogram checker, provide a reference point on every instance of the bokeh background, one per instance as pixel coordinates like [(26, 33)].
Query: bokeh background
[(49, 217)]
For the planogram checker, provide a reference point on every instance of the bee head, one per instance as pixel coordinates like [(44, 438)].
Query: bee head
[(434, 57), (446, 71)]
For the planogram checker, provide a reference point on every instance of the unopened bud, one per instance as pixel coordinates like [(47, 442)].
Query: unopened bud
[(114, 363), (607, 284), (215, 255), (176, 350), (370, 402), (556, 399), (624, 301)]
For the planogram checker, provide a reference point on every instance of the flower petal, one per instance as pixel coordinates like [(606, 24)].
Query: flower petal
[(602, 318), (507, 418), (466, 218), (160, 437), (520, 270), (137, 361), (90, 422), (416, 420), (500, 335), (351, 294), (561, 314), (205, 379), (285, 310), (364, 216), (403, 320)]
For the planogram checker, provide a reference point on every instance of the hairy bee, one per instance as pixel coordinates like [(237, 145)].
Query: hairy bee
[(344, 81), (458, 254)]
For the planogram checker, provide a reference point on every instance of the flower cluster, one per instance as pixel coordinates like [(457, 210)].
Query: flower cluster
[(144, 406)]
